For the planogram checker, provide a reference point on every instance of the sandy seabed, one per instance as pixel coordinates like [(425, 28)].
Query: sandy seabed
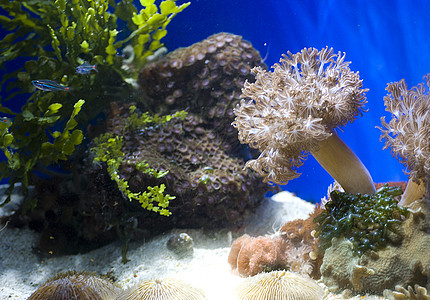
[(22, 272)]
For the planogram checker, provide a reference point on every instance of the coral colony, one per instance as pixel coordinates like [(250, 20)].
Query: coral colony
[(359, 230), (295, 109), (407, 133), (148, 140)]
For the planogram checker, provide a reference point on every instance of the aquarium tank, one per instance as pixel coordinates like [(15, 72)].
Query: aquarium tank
[(388, 35), (288, 139)]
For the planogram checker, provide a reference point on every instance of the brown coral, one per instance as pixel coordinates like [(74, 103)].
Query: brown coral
[(204, 78), (210, 186), (408, 134), (294, 109), (201, 154)]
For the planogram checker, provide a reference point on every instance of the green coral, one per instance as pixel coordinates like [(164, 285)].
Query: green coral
[(55, 37), (108, 150), (365, 220)]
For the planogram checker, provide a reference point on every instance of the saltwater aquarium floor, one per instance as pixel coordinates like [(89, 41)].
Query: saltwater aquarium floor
[(21, 271)]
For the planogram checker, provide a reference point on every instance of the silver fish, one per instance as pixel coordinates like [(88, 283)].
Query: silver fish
[(85, 68)]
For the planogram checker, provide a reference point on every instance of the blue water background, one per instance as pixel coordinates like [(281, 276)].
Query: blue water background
[(385, 41)]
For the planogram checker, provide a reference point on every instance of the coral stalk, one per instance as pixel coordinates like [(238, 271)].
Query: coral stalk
[(344, 166), (413, 191)]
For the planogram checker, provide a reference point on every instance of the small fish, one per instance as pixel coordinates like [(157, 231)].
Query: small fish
[(49, 85), (85, 68), (5, 120)]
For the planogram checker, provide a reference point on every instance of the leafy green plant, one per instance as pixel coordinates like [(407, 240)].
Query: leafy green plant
[(24, 150), (365, 220), (54, 37)]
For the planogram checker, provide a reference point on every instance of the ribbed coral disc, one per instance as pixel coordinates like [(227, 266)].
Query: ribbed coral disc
[(279, 285), (162, 289), (76, 285)]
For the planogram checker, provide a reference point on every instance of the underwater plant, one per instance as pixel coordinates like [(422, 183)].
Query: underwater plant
[(295, 109), (59, 40), (367, 221), (407, 134)]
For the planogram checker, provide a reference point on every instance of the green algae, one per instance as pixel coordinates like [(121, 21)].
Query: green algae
[(365, 220)]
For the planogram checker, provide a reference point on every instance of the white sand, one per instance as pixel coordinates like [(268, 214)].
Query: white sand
[(21, 272)]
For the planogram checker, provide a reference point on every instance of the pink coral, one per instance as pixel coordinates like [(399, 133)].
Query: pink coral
[(293, 248), (250, 256), (253, 255)]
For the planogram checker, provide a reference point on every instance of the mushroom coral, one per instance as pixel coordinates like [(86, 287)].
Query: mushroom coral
[(162, 289), (76, 285), (408, 133), (295, 109), (279, 285)]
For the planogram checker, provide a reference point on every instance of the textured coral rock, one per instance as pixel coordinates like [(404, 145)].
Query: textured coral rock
[(205, 78), (211, 187), (403, 264), (201, 153), (280, 285)]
